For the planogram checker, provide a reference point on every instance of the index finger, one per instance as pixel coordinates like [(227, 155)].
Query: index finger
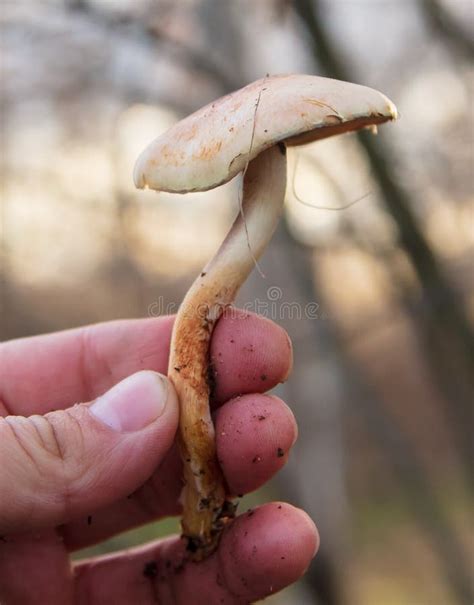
[(44, 373)]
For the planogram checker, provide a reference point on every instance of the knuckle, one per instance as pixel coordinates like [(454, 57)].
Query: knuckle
[(36, 440), (47, 437), (63, 438), (53, 445), (49, 460), (15, 435)]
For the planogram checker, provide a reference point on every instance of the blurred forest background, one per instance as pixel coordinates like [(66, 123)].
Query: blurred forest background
[(383, 379)]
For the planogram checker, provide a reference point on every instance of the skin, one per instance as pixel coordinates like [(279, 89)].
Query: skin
[(260, 552)]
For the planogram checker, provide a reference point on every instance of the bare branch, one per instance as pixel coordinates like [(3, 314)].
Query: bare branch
[(189, 57), (443, 23)]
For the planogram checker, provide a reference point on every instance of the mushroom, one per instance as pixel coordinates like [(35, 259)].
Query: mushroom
[(245, 132)]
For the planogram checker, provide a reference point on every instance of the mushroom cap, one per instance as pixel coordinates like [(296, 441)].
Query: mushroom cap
[(214, 144)]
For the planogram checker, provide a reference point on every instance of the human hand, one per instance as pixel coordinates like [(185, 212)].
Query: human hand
[(73, 475)]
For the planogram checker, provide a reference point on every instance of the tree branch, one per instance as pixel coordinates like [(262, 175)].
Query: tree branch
[(443, 23), (446, 322), (189, 57), (444, 312)]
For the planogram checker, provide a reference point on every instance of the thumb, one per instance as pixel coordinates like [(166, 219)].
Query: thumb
[(70, 462)]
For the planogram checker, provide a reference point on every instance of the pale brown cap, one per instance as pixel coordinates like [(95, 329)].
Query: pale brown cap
[(215, 143)]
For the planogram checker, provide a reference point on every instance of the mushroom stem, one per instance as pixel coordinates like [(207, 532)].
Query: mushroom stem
[(204, 495)]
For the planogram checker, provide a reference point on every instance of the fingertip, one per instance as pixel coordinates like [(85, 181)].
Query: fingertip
[(267, 549), (249, 354), (254, 435)]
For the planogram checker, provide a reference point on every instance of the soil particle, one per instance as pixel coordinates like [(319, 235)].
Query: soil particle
[(150, 569), (229, 509), (280, 453), (192, 545)]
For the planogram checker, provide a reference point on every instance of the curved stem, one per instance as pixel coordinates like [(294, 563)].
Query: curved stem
[(204, 499)]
